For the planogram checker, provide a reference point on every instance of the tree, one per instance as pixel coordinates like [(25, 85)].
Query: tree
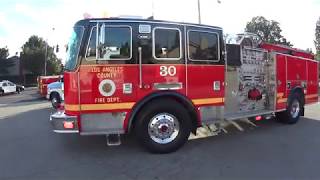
[(317, 40), (34, 53), (4, 62), (4, 53), (268, 31)]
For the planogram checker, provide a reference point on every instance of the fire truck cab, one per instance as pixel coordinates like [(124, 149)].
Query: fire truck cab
[(163, 80)]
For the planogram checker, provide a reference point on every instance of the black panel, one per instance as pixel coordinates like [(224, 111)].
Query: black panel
[(233, 55)]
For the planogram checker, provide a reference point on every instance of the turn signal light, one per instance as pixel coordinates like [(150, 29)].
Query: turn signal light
[(68, 125), (258, 118)]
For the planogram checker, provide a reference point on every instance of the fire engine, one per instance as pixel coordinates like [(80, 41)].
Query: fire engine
[(43, 82), (162, 80)]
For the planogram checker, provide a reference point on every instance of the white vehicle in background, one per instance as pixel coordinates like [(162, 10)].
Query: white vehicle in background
[(55, 93), (7, 87)]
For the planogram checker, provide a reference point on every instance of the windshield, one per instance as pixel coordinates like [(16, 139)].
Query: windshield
[(73, 47)]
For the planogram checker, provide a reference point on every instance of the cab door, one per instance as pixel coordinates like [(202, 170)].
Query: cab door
[(161, 58), (107, 77), (12, 87), (5, 87), (107, 74), (205, 71)]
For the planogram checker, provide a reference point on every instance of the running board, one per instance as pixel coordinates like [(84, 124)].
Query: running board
[(113, 139)]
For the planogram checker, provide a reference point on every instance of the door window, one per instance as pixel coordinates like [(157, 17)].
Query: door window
[(115, 43), (203, 46), (167, 43)]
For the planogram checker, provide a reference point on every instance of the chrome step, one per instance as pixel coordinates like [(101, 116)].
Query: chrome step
[(113, 139)]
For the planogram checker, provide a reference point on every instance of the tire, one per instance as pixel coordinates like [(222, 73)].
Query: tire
[(163, 126), (293, 112), (1, 93), (55, 100)]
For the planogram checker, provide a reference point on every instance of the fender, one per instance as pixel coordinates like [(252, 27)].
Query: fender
[(172, 94)]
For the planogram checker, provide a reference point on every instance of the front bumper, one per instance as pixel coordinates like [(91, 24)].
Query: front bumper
[(63, 123)]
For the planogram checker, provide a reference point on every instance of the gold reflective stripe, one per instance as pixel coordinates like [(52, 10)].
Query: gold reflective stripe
[(311, 96), (280, 95), (71, 107), (129, 105), (283, 100), (207, 101), (92, 107)]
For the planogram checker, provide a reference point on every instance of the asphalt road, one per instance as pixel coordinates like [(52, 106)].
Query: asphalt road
[(30, 150)]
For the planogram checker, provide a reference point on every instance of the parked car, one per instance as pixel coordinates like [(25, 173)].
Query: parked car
[(55, 93), (19, 88), (9, 87)]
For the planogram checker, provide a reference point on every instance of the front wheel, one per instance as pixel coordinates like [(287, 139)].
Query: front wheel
[(163, 126), (292, 114)]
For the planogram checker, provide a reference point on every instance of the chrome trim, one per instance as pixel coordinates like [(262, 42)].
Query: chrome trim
[(102, 132), (88, 42), (255, 49), (140, 66), (279, 110), (218, 38), (116, 59), (153, 44), (167, 86), (185, 57), (158, 22), (66, 131), (245, 115), (102, 123), (97, 40), (57, 120)]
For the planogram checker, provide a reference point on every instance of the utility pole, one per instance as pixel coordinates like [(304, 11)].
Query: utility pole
[(45, 58), (199, 12), (46, 55)]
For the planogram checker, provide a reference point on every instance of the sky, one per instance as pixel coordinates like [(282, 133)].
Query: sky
[(53, 19)]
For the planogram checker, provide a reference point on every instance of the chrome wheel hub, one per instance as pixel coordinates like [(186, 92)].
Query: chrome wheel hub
[(163, 128), (295, 109)]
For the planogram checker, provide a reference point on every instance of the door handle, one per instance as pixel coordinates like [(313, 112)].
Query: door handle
[(140, 67)]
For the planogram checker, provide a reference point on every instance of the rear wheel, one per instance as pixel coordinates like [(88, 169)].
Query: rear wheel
[(294, 109), (55, 100), (1, 93), (163, 126)]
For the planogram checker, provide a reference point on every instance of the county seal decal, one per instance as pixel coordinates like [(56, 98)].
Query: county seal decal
[(107, 87)]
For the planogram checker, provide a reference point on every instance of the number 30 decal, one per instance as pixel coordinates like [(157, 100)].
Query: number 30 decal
[(168, 70)]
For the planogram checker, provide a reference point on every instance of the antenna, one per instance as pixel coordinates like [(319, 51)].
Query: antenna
[(152, 8), (199, 12)]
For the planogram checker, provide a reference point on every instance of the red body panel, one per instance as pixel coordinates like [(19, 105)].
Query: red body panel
[(201, 79), (281, 81), (197, 85), (287, 50), (312, 83), (298, 72)]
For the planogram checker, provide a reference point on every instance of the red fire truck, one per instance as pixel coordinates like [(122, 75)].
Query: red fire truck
[(43, 82), (163, 80)]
